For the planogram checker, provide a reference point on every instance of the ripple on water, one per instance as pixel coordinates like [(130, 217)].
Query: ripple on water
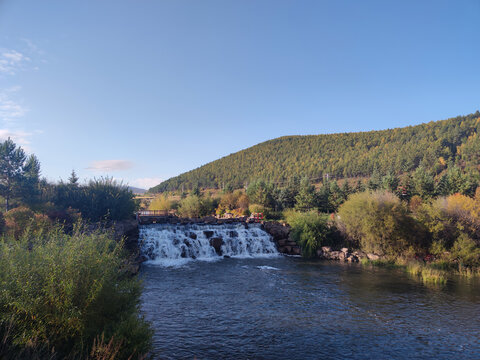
[(243, 308)]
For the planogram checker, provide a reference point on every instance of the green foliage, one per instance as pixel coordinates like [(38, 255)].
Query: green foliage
[(19, 175), (64, 291), (261, 192), (379, 222), (310, 230), (100, 199), (466, 251), (344, 155), (196, 206), (306, 198)]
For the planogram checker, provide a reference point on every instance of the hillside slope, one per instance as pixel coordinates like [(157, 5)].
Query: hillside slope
[(433, 145)]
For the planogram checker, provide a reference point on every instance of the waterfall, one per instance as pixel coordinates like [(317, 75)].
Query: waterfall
[(173, 244)]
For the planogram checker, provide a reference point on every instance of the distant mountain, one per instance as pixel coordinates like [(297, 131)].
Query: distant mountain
[(433, 145), (137, 191)]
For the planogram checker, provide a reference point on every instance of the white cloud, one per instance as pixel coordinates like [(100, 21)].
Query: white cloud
[(19, 137), (11, 61), (146, 183), (10, 109), (110, 165)]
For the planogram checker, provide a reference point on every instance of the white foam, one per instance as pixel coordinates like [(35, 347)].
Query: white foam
[(176, 245)]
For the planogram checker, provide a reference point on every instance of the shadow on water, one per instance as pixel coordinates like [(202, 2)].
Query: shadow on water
[(291, 308)]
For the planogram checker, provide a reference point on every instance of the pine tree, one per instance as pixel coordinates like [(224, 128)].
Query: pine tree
[(73, 179), (12, 171)]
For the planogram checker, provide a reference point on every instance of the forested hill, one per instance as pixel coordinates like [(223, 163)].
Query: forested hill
[(433, 145)]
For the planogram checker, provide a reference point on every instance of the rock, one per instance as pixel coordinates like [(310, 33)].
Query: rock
[(344, 250), (276, 230), (371, 256), (192, 236), (335, 255), (233, 234), (217, 243), (282, 242), (326, 249), (296, 250), (341, 255), (226, 257), (208, 233)]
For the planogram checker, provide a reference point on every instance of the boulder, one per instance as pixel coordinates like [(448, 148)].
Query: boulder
[(276, 230), (335, 255), (282, 242), (341, 255), (296, 250), (192, 236), (344, 250), (326, 249), (208, 233), (216, 243), (371, 256)]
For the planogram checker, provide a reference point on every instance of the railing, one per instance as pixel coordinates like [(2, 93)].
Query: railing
[(153, 213)]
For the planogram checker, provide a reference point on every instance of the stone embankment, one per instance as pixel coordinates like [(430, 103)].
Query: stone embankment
[(281, 236), (344, 254)]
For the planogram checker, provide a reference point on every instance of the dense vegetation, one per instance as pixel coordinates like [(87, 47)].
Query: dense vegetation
[(68, 296), (432, 146), (21, 185), (65, 292)]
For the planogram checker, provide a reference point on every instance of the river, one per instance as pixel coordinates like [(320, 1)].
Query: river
[(278, 307)]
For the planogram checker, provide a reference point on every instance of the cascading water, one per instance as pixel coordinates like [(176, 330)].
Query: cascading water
[(172, 244)]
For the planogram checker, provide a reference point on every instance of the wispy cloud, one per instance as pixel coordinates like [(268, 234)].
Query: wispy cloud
[(110, 165), (10, 108), (146, 183), (20, 137), (11, 61)]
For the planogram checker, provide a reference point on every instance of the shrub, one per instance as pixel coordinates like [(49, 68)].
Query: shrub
[(160, 203), (466, 251), (18, 219), (105, 198), (61, 292), (379, 222), (310, 230), (195, 206)]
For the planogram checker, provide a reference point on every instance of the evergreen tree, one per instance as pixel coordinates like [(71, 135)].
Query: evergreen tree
[(390, 182), (73, 179), (375, 180), (359, 187), (346, 189), (287, 195), (306, 198), (12, 170), (423, 183)]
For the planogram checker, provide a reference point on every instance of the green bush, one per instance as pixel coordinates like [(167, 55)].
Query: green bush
[(466, 251), (62, 292), (310, 230), (379, 222)]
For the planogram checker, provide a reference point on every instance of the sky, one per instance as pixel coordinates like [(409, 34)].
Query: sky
[(143, 90)]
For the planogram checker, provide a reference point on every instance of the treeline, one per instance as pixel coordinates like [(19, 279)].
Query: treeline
[(433, 146), (21, 186), (301, 195)]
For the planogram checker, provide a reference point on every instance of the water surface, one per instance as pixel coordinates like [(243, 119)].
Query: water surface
[(291, 308)]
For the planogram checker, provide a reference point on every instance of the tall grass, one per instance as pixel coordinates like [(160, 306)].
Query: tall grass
[(59, 292)]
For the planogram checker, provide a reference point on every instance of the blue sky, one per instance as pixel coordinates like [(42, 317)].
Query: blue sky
[(145, 90)]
